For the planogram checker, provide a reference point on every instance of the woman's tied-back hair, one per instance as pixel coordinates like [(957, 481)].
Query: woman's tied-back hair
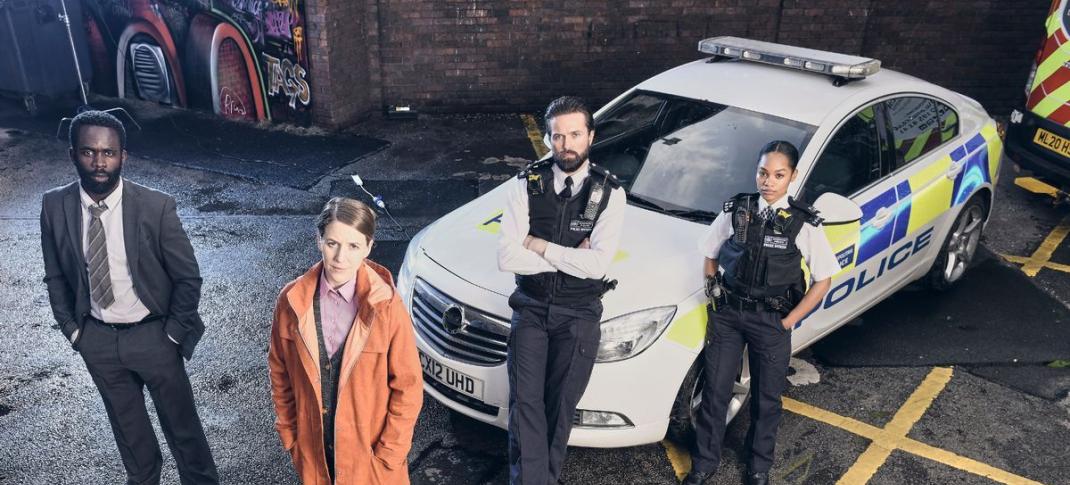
[(784, 148), (349, 212)]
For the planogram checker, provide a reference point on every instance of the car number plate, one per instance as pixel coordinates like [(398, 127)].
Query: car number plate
[(452, 378), (1052, 142)]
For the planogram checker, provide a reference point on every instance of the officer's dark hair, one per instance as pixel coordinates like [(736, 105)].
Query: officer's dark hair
[(350, 212), (96, 118), (568, 105), (784, 148)]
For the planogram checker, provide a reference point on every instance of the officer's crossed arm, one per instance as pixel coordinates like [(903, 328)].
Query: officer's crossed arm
[(591, 259), (513, 256)]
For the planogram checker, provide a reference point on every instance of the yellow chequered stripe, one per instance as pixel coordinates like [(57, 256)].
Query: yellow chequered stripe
[(930, 193), (690, 329)]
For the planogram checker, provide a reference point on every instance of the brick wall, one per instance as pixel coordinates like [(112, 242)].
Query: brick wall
[(511, 55)]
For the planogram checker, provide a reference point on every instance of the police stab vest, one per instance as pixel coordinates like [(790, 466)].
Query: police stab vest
[(565, 222), (761, 259)]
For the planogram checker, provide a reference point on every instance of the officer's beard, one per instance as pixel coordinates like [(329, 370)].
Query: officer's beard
[(570, 164)]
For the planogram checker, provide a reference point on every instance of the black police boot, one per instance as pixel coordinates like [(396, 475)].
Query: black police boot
[(696, 478), (757, 478)]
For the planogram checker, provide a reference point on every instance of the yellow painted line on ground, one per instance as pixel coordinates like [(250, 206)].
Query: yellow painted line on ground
[(534, 135), (909, 414), (678, 457), (893, 436), (1065, 268), (1042, 256)]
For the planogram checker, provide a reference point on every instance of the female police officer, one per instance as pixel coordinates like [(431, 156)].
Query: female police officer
[(758, 242)]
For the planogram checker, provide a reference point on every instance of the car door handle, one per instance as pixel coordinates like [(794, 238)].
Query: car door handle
[(881, 218), (955, 168)]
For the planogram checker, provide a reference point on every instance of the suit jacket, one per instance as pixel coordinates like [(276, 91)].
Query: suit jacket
[(163, 267)]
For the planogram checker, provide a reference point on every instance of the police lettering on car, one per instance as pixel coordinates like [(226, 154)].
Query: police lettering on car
[(754, 250), (559, 233)]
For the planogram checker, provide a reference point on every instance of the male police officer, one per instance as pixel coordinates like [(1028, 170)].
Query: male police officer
[(560, 231)]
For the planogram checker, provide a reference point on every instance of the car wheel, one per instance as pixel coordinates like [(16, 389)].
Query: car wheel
[(959, 248), (689, 398)]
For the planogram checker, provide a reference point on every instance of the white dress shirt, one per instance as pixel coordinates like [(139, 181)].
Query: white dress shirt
[(127, 307), (581, 263), (811, 242)]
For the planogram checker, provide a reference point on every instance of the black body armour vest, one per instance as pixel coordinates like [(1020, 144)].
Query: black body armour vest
[(761, 260), (565, 222)]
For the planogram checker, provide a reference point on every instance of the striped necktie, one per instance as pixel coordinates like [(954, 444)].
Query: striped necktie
[(97, 259)]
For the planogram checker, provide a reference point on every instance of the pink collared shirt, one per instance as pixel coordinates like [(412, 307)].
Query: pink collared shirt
[(338, 308)]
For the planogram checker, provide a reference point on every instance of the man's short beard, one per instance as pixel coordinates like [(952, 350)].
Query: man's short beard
[(570, 166), (99, 188)]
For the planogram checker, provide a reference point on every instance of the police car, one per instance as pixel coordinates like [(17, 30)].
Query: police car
[(905, 172)]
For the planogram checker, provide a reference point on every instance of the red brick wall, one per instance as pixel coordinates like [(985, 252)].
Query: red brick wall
[(510, 55)]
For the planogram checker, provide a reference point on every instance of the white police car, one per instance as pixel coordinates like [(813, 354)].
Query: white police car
[(918, 160)]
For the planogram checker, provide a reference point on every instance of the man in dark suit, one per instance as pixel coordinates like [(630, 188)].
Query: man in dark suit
[(124, 286)]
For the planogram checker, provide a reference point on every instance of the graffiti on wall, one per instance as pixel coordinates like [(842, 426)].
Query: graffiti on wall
[(242, 59)]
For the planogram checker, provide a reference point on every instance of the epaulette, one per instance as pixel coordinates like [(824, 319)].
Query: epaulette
[(812, 215), (532, 166), (730, 204), (610, 179)]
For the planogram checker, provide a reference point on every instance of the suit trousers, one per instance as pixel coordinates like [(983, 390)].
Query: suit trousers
[(550, 358), (122, 363), (769, 349)]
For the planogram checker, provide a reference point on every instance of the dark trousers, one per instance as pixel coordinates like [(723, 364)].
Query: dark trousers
[(769, 347), (551, 354), (124, 361)]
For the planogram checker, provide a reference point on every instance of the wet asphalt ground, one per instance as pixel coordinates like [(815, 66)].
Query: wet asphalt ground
[(249, 216)]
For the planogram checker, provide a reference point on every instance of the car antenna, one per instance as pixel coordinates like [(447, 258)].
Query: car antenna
[(380, 203)]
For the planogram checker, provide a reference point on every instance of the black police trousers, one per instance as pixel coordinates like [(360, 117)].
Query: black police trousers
[(769, 347), (123, 362), (551, 354)]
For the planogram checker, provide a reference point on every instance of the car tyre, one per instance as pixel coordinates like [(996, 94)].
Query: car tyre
[(683, 416), (959, 247)]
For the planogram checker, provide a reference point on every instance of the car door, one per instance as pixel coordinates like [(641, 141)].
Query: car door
[(854, 163), (923, 170)]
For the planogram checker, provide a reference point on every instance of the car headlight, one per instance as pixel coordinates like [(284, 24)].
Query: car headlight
[(407, 273), (629, 335)]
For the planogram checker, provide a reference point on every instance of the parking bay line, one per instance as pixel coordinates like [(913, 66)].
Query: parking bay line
[(894, 435), (1041, 258), (534, 135)]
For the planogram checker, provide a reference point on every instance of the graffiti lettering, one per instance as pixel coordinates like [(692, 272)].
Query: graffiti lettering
[(277, 23), (289, 78), (232, 105), (253, 7), (281, 3)]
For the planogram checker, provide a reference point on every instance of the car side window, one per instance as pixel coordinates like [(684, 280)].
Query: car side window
[(915, 127), (949, 121), (636, 113), (851, 159)]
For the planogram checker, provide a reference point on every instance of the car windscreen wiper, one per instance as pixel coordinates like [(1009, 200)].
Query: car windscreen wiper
[(644, 202), (694, 214)]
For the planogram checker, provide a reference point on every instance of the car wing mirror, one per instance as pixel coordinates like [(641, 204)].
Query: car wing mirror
[(837, 209)]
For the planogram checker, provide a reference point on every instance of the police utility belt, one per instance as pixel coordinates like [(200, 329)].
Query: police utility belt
[(742, 302)]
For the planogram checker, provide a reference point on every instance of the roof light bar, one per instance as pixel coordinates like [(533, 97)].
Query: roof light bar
[(841, 66)]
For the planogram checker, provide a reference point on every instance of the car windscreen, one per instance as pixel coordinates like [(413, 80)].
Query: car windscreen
[(686, 157)]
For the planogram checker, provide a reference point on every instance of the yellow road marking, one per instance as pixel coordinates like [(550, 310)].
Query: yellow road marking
[(893, 436), (1042, 256), (678, 457), (534, 135), (909, 414), (1065, 268)]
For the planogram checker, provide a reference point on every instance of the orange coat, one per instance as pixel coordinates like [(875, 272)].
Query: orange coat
[(380, 388)]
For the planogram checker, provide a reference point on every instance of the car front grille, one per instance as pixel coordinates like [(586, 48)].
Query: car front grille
[(471, 335)]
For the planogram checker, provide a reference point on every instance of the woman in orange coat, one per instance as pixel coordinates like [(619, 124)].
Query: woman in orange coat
[(345, 375)]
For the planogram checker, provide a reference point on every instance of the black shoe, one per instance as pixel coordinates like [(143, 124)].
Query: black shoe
[(759, 478), (696, 478)]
